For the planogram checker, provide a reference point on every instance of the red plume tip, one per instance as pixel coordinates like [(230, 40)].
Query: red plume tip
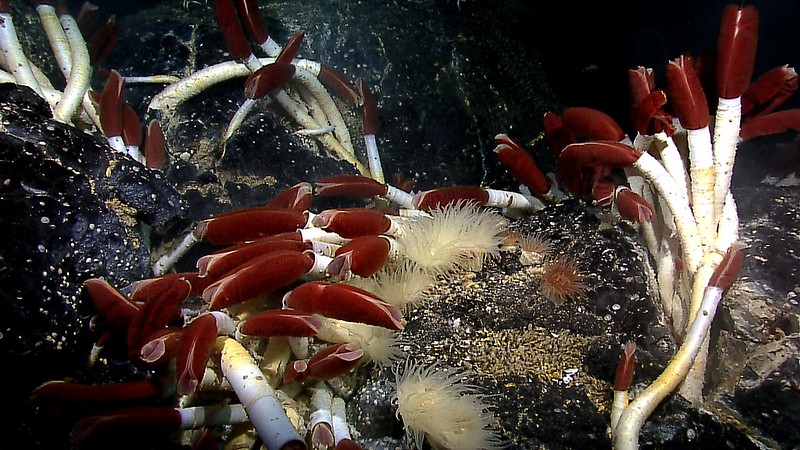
[(736, 50)]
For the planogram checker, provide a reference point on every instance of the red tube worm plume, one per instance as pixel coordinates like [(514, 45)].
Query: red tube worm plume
[(248, 224), (772, 123), (344, 302), (728, 270), (442, 197), (224, 262), (111, 304), (369, 109), (647, 104), (520, 164), (296, 198), (268, 80), (561, 279), (598, 157), (228, 23), (624, 374), (769, 91), (162, 306), (351, 223), (632, 206), (332, 78), (363, 256), (281, 322), (296, 371), (4, 7), (251, 20), (686, 93), (131, 127), (138, 424), (290, 50), (347, 444), (195, 348), (161, 346), (592, 123), (88, 18), (334, 361), (736, 50), (68, 392), (402, 182), (103, 41), (260, 277), (354, 186), (155, 146), (111, 105), (558, 136)]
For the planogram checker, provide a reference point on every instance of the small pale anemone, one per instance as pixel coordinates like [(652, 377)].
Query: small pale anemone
[(436, 405), (561, 279), (382, 346), (461, 235), (401, 286), (534, 248)]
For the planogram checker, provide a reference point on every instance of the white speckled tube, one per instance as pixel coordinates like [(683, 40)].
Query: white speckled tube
[(259, 399)]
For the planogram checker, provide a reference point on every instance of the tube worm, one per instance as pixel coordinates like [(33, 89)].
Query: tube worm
[(111, 105), (558, 136), (592, 123), (255, 26), (268, 80), (142, 424), (521, 165), (736, 52), (772, 123), (15, 58), (155, 146), (261, 276), (344, 302), (107, 394), (689, 103), (350, 223), (622, 382), (769, 91), (260, 400), (332, 78), (632, 206), (248, 224), (103, 41), (333, 361), (369, 115), (112, 305), (132, 133), (594, 155), (281, 322), (225, 262), (290, 50), (161, 308), (296, 198), (357, 186), (363, 256), (231, 29), (647, 103), (321, 417), (626, 435)]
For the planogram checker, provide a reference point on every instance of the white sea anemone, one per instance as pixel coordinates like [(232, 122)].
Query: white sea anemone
[(381, 346), (401, 286), (436, 405), (458, 235)]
